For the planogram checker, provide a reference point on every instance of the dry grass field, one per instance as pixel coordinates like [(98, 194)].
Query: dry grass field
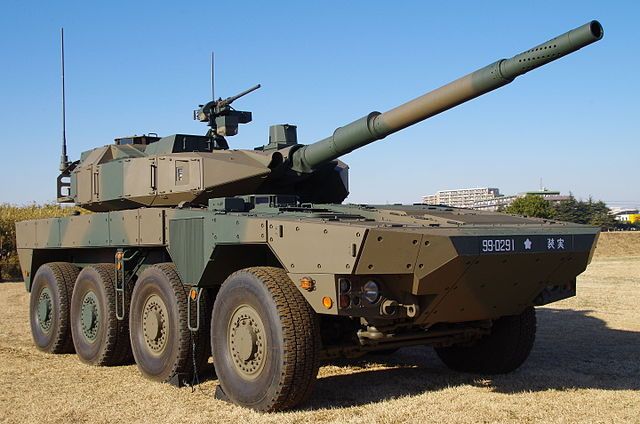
[(618, 243), (585, 367)]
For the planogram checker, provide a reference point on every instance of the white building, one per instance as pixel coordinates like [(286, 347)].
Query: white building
[(462, 198), (494, 204), (503, 201), (486, 198), (625, 214)]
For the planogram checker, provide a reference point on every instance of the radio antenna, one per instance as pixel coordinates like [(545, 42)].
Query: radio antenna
[(64, 159), (213, 94)]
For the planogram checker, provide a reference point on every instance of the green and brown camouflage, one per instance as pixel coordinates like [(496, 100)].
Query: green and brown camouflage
[(437, 252), (211, 211)]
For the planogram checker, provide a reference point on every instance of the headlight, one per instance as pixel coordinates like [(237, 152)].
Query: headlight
[(344, 285), (371, 291)]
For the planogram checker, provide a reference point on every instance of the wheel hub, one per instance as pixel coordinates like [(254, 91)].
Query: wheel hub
[(45, 307), (155, 324), (247, 342), (90, 316)]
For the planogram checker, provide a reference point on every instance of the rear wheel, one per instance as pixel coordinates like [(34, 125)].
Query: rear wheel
[(502, 351), (99, 337), (265, 340), (49, 302), (163, 346)]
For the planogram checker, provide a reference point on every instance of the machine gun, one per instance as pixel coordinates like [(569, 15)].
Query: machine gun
[(222, 118)]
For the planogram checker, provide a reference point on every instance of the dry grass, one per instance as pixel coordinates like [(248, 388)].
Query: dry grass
[(585, 367), (618, 243)]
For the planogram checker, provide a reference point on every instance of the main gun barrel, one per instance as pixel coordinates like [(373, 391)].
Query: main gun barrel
[(376, 125)]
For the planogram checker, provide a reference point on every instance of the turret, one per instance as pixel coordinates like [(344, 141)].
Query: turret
[(148, 171)]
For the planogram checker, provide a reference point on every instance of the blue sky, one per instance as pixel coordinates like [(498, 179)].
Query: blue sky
[(137, 67)]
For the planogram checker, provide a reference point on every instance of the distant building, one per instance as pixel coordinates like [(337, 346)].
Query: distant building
[(486, 198), (550, 195), (504, 201), (626, 215), (494, 204), (461, 198)]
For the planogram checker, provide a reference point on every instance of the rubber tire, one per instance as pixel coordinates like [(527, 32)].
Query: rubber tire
[(177, 358), (112, 346), (502, 351), (292, 338), (59, 277)]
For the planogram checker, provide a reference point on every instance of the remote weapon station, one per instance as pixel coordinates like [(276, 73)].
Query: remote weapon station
[(195, 250)]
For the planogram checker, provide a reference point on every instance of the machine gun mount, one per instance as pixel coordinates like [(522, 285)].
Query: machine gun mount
[(222, 118)]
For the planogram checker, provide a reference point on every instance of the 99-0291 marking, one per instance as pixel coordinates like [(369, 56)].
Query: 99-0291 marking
[(546, 243), (498, 245)]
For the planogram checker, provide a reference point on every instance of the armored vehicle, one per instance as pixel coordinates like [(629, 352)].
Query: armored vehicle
[(195, 250)]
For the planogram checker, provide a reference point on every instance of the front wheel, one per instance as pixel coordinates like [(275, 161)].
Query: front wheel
[(265, 340), (502, 351)]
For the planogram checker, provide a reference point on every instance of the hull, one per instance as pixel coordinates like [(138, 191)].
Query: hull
[(433, 264)]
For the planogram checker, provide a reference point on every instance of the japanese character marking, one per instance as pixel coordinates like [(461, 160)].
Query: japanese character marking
[(560, 243), (551, 243)]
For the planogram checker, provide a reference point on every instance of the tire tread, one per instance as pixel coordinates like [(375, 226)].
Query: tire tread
[(301, 339), (117, 349), (183, 363), (65, 275)]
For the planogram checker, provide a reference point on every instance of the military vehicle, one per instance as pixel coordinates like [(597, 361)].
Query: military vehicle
[(195, 250)]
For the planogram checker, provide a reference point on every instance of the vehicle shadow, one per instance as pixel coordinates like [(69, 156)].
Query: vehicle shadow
[(572, 350)]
